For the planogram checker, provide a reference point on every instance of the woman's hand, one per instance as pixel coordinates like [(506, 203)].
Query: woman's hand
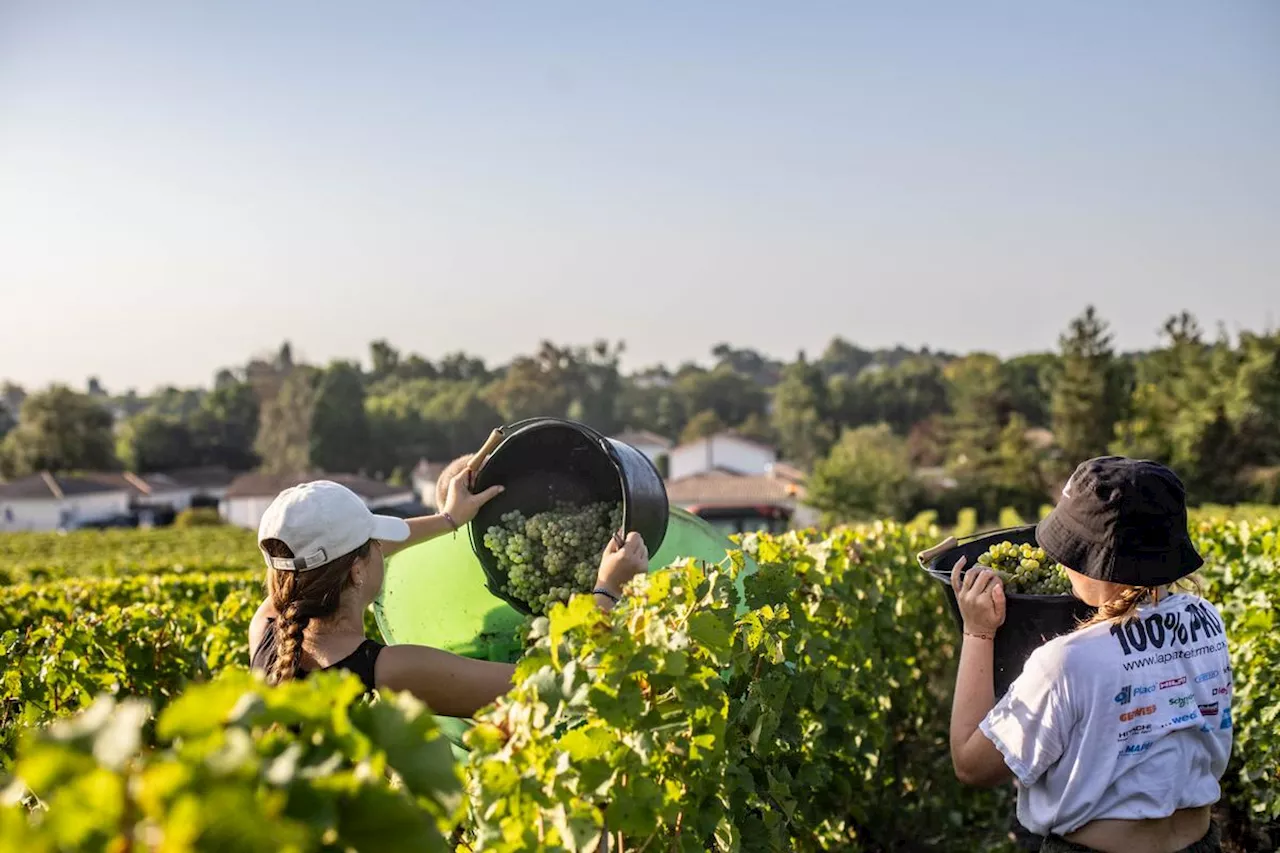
[(980, 595), (460, 504), (621, 563)]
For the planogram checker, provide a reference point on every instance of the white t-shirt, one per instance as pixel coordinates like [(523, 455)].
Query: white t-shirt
[(1119, 722)]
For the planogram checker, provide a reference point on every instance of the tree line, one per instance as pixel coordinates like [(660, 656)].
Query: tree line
[(884, 432)]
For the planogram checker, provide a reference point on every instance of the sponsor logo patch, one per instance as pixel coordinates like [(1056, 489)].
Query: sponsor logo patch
[(1207, 676), (1173, 682), (1137, 712), (1125, 696), (1183, 718), (1133, 732), (1182, 701), (1221, 691), (1210, 710), (1135, 748)]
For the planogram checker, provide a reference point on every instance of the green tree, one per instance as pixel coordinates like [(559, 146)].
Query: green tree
[(339, 427), (283, 442), (225, 428), (867, 475), (153, 441), (1029, 380), (801, 414), (1088, 392), (385, 359), (58, 430), (702, 425), (731, 395)]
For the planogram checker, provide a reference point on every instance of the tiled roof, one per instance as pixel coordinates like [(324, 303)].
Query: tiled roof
[(55, 487), (642, 436), (720, 488), (259, 485)]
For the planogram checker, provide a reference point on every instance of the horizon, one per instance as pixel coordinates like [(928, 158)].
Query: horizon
[(183, 188)]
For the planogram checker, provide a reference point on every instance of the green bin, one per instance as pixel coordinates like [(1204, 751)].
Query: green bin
[(434, 595)]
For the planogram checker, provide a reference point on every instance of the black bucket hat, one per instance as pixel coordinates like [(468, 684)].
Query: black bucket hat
[(1122, 520)]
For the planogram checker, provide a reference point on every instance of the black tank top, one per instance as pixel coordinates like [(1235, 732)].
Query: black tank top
[(360, 662)]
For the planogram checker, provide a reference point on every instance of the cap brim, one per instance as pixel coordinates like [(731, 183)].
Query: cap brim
[(390, 529)]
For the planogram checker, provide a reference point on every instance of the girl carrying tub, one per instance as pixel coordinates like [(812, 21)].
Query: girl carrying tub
[(1118, 733), (324, 551)]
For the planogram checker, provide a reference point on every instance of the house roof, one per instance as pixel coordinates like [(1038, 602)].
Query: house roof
[(207, 477), (643, 436), (259, 485), (720, 488), (55, 487)]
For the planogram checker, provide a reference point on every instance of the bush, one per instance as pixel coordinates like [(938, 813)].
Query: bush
[(198, 517)]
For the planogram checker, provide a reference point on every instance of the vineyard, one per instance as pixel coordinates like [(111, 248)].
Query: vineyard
[(811, 716)]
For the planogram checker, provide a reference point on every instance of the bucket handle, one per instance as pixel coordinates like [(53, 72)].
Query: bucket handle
[(929, 554)]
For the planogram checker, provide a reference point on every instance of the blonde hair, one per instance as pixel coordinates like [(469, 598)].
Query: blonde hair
[(450, 471), (1124, 607)]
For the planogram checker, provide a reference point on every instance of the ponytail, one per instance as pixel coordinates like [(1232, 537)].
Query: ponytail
[(1124, 607)]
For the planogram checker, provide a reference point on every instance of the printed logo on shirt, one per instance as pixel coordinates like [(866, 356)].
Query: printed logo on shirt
[(1137, 712), (1193, 624), (1226, 719), (1182, 701), (1183, 718), (1133, 732), (1221, 691), (1125, 696), (1208, 676), (1210, 710), (1135, 748), (1173, 682)]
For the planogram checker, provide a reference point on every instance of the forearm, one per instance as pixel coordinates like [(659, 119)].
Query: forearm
[(975, 689), (421, 529)]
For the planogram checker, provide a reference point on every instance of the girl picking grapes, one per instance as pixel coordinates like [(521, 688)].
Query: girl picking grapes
[(324, 551), (1118, 733)]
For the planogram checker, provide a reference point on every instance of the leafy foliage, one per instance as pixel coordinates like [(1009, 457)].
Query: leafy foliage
[(239, 766), (807, 713), (106, 553)]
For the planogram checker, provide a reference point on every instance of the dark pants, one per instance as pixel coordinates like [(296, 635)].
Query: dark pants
[(1211, 843)]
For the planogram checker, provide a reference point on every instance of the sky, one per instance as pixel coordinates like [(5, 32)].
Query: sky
[(184, 185)]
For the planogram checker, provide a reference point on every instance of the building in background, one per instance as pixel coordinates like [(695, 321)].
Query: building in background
[(43, 502), (652, 445), (721, 452), (247, 498)]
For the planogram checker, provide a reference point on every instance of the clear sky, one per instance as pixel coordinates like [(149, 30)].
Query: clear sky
[(185, 184)]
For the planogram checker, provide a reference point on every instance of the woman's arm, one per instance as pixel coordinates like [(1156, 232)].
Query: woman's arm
[(980, 596), (976, 759), (450, 684), (460, 507)]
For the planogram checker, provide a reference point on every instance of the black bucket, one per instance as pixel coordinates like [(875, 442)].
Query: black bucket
[(1030, 620), (544, 461)]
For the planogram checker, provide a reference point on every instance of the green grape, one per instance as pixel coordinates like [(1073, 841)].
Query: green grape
[(1026, 569), (552, 555)]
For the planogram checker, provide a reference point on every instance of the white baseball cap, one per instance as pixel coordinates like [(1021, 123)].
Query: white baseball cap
[(320, 521)]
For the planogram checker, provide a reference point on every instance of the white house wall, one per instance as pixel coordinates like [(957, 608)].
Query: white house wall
[(48, 513), (719, 452), (248, 512)]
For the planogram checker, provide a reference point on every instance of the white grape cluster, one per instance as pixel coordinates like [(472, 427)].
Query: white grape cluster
[(552, 555), (1026, 569)]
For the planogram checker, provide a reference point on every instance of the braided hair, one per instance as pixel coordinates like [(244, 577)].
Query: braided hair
[(299, 597)]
